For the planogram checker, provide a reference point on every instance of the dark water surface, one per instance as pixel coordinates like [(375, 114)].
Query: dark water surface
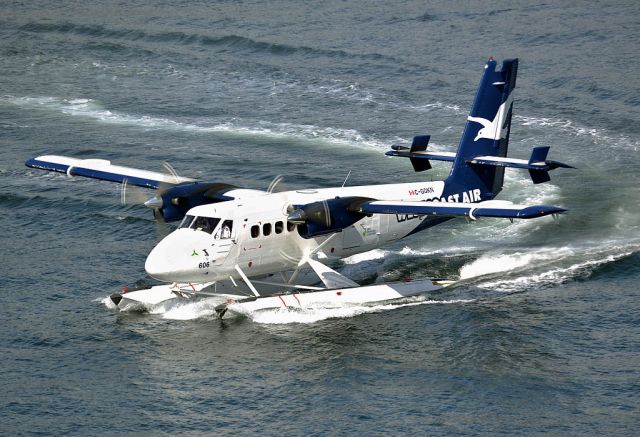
[(542, 335)]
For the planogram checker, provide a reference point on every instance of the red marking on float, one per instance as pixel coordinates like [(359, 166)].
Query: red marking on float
[(297, 300), (282, 300)]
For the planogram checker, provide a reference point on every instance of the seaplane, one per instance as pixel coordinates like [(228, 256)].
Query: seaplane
[(265, 249)]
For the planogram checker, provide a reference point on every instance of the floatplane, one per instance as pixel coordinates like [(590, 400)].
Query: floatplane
[(255, 249)]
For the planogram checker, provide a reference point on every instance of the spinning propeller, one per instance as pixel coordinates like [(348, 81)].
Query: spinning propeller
[(135, 195), (326, 216), (173, 199)]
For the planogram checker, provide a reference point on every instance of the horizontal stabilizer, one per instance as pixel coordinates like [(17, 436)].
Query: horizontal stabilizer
[(489, 208), (418, 154), (104, 170), (538, 165)]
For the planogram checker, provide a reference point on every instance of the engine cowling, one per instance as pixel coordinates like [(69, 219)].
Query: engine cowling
[(326, 216), (173, 203)]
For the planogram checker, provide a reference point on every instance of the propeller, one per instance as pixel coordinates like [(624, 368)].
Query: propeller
[(174, 197), (171, 171), (134, 195), (327, 215), (156, 202), (318, 213), (274, 183)]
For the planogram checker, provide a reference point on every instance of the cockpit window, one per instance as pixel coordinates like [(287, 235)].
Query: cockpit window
[(186, 221), (225, 229), (206, 224)]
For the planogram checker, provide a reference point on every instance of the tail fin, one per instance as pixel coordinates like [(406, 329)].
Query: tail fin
[(486, 132)]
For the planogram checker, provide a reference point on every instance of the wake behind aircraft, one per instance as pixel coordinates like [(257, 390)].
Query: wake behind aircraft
[(276, 247)]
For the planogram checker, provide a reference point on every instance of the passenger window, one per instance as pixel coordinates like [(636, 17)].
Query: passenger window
[(266, 229), (255, 231), (290, 226), (279, 227)]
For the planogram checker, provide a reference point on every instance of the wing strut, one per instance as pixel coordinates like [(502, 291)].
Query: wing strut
[(305, 259), (330, 277), (247, 281)]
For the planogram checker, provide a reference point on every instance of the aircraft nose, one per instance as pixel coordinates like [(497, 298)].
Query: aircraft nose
[(158, 264), (178, 256)]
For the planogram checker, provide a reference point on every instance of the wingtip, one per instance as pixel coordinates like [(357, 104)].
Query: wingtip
[(540, 211), (31, 161)]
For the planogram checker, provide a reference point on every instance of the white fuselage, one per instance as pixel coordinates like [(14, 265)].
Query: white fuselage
[(252, 233)]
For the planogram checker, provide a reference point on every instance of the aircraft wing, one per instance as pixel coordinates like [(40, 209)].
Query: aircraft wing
[(489, 208), (104, 170)]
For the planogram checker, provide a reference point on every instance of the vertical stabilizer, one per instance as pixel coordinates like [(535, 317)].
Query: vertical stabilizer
[(486, 132)]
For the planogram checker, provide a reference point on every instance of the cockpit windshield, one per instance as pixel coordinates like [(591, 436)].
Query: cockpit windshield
[(206, 224), (186, 221), (209, 225)]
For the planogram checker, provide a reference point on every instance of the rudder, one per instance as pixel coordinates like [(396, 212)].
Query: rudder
[(486, 132)]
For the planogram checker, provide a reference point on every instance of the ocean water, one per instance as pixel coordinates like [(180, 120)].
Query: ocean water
[(540, 335)]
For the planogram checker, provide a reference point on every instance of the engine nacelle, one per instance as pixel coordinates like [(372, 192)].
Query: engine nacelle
[(173, 203), (326, 216)]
